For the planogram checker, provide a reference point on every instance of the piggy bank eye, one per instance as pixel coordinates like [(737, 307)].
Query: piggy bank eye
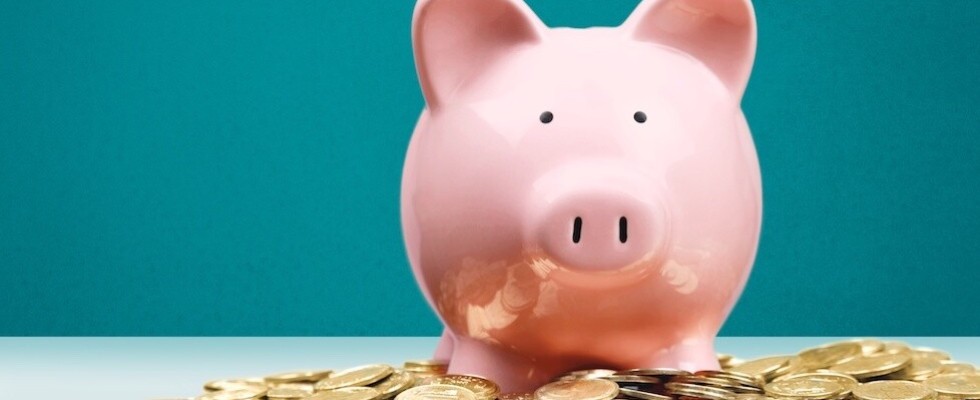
[(547, 117), (640, 117)]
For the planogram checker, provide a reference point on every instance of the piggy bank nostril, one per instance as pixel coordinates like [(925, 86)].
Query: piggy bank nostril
[(577, 230), (622, 230)]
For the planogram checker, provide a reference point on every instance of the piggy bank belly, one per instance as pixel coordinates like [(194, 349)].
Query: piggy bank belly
[(524, 322), (615, 319)]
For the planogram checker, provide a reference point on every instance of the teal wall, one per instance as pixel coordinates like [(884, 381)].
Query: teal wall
[(232, 167)]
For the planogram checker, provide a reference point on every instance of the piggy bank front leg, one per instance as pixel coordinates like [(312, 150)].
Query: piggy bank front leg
[(513, 372), (444, 350), (693, 354)]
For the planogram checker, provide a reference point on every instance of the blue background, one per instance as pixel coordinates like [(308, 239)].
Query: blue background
[(232, 167)]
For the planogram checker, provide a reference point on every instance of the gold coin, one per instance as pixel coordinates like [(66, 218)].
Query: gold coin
[(395, 383), (750, 396), (347, 393), (303, 386), (829, 354), (919, 369), (234, 394), (953, 367), (803, 388), (581, 389), (363, 375), (230, 384), (298, 376), (483, 389), (420, 375), (928, 352), (865, 367), (743, 379), (286, 393), (426, 365), (870, 346), (718, 382), (517, 396), (895, 347), (657, 372), (893, 390), (589, 373), (437, 392), (735, 361), (762, 367), (631, 379), (700, 392), (846, 381), (638, 394), (731, 363), (960, 386), (794, 366)]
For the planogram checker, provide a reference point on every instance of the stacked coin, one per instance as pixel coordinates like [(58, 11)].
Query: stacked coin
[(860, 369)]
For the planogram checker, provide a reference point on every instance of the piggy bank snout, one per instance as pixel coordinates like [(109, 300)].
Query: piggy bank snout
[(599, 229)]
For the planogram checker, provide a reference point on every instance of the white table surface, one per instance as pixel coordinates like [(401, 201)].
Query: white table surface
[(152, 368)]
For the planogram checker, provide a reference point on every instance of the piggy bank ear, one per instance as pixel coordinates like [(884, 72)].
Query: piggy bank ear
[(455, 40), (719, 33)]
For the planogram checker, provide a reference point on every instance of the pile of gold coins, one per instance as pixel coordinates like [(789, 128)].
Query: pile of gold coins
[(860, 369)]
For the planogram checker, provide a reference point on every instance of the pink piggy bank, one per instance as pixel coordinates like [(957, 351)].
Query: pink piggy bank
[(581, 198)]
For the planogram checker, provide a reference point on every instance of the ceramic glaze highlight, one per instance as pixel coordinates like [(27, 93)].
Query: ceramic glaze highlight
[(587, 236)]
